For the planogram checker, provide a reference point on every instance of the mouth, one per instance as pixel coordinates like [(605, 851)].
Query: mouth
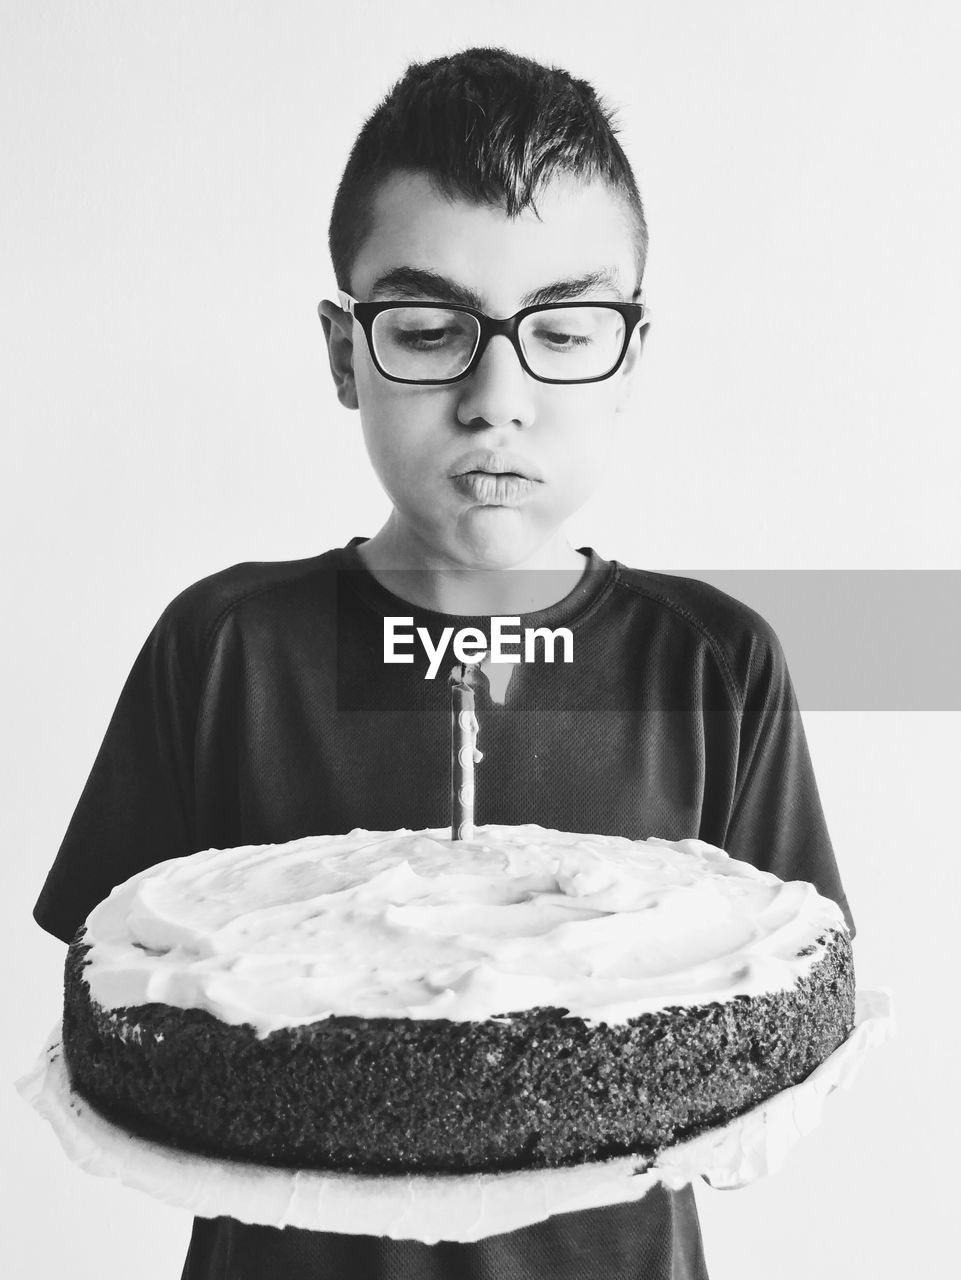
[(503, 489), (494, 479)]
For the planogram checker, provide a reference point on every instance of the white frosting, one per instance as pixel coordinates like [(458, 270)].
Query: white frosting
[(414, 925)]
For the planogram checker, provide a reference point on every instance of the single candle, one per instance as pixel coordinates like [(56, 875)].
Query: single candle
[(464, 679)]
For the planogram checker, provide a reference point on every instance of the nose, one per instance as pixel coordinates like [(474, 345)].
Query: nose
[(498, 393)]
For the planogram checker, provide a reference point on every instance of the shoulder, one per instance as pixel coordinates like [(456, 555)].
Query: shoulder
[(254, 589), (742, 642)]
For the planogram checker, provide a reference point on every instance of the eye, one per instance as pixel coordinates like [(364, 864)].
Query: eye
[(421, 339), (560, 339), (565, 330), (424, 329)]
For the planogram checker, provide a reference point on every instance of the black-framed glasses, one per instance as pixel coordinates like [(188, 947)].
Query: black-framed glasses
[(435, 343)]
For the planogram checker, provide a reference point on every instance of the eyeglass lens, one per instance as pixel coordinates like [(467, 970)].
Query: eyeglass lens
[(435, 344)]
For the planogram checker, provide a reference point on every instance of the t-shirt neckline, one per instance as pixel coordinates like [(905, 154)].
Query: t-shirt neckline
[(595, 582)]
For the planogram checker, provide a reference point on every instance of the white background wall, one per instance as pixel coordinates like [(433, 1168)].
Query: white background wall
[(167, 174)]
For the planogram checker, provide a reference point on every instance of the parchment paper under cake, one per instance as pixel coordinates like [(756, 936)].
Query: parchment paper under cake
[(431, 1208)]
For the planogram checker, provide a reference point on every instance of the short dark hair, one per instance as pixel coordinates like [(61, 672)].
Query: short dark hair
[(484, 124)]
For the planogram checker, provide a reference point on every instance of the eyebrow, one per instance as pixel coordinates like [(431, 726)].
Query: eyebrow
[(414, 284)]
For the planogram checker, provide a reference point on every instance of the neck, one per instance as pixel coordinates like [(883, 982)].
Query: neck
[(433, 582)]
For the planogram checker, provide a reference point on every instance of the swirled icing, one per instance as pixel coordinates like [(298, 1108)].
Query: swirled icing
[(414, 925)]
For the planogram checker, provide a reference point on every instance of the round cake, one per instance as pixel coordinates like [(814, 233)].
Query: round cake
[(398, 1001)]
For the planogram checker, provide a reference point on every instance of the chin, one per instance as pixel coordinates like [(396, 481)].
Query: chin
[(490, 557), (496, 538)]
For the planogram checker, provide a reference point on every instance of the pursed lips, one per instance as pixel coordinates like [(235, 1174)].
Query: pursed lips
[(494, 479)]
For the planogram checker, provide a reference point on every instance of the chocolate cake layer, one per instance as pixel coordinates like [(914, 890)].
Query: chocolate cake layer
[(534, 1089)]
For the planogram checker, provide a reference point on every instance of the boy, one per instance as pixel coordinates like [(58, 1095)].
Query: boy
[(488, 242)]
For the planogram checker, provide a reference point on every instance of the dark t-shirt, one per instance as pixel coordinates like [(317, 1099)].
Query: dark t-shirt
[(261, 710)]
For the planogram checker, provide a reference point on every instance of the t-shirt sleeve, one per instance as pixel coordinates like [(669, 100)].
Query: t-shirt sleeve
[(137, 806), (777, 821)]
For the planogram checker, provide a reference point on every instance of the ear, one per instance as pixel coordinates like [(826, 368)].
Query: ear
[(339, 332), (628, 370)]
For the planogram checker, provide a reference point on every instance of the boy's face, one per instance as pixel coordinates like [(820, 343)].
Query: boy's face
[(439, 450)]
